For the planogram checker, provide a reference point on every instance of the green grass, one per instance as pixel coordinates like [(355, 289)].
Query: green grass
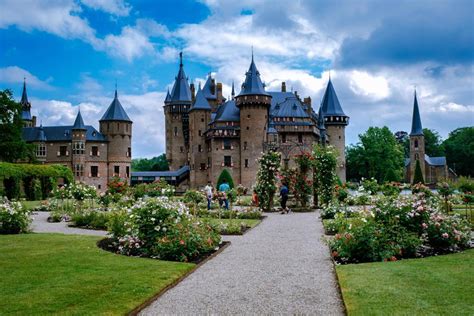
[(442, 285), (232, 226), (249, 222), (31, 204), (42, 274)]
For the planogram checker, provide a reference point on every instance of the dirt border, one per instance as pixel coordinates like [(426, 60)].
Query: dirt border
[(148, 302)]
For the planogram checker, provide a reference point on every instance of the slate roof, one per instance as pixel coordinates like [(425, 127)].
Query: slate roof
[(432, 161), (181, 91), (290, 107), (115, 111), (228, 112), (40, 136), (416, 127), (206, 90), (330, 104), (200, 103), (79, 122), (253, 84), (168, 96), (59, 133), (174, 173)]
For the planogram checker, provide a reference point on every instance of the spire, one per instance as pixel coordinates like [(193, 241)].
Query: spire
[(79, 122), (416, 127), (115, 111), (253, 84), (233, 90), (330, 104), (168, 96), (24, 96), (116, 94), (181, 93), (207, 88), (200, 103), (25, 104)]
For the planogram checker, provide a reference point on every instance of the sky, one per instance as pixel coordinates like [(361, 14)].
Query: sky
[(73, 52)]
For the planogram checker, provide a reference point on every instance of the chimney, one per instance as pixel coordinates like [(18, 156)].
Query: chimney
[(283, 86), (193, 91), (33, 121), (307, 101), (219, 91), (213, 86)]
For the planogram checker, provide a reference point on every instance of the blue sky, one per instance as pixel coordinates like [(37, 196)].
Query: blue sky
[(73, 51)]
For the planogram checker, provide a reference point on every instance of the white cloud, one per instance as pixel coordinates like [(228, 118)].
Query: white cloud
[(374, 87), (15, 75), (454, 107), (130, 44), (115, 7)]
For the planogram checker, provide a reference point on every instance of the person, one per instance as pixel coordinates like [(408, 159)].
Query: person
[(223, 189), (255, 198), (208, 190), (284, 198)]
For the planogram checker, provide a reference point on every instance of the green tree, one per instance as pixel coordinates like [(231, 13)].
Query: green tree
[(12, 145), (154, 164), (434, 146), (225, 174), (459, 148), (375, 155), (418, 177), (266, 186), (324, 174)]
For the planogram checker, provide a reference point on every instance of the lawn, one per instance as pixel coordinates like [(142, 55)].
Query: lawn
[(31, 204), (232, 226), (68, 274), (249, 222), (442, 285)]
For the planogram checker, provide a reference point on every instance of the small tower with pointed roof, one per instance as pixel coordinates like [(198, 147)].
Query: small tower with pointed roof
[(254, 104), (28, 120), (417, 142), (199, 118), (117, 127), (177, 120), (78, 138), (335, 121)]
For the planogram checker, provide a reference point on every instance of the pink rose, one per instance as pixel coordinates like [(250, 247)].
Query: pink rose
[(445, 235)]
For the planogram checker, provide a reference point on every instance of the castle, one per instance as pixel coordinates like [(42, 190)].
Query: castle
[(93, 156), (206, 133)]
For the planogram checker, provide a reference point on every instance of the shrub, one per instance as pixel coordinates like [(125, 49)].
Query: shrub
[(225, 175), (391, 189), (341, 193), (14, 218), (370, 186), (418, 177), (193, 198), (269, 166), (157, 188), (117, 185), (91, 219), (161, 228), (465, 184), (12, 187)]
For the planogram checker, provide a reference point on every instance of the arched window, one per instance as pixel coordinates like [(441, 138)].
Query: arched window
[(416, 143)]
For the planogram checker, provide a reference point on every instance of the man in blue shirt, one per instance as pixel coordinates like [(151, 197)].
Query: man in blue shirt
[(284, 198), (223, 189)]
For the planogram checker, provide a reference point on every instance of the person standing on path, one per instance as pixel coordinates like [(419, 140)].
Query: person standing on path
[(223, 189), (284, 198), (208, 190)]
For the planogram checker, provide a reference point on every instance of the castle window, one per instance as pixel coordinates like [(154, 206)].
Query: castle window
[(300, 138), (200, 133), (227, 161), (118, 126), (175, 131), (248, 116), (203, 166), (41, 150), (245, 145), (116, 171), (246, 163), (63, 151), (95, 151), (94, 171), (199, 148), (283, 138), (129, 152), (181, 149), (416, 143), (227, 144), (248, 128), (202, 119), (127, 171), (79, 170), (78, 148)]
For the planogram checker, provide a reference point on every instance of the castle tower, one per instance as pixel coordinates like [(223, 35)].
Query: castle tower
[(28, 120), (335, 121), (321, 127), (117, 127), (199, 118), (254, 104), (177, 120), (79, 148), (417, 142)]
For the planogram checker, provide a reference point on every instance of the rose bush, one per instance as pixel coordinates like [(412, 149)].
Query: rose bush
[(14, 218)]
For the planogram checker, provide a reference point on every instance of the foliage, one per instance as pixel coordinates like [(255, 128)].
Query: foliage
[(341, 193), (117, 185), (433, 144), (14, 218), (250, 213), (325, 162), (12, 187), (225, 175), (193, 198), (418, 176), (93, 219), (378, 155), (77, 191), (445, 190), (459, 148), (465, 184), (163, 229), (157, 188), (370, 186), (12, 145), (300, 184), (269, 166), (159, 163), (391, 189)]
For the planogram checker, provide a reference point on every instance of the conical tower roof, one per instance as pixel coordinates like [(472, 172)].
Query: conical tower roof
[(115, 111), (416, 127), (79, 122), (330, 104), (168, 96), (25, 104), (253, 84), (201, 103), (181, 93)]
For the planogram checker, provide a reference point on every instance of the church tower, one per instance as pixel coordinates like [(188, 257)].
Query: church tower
[(117, 127), (28, 120), (254, 103), (335, 121), (199, 118), (79, 131), (177, 120), (417, 142)]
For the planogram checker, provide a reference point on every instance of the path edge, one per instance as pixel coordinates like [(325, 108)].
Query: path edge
[(156, 296)]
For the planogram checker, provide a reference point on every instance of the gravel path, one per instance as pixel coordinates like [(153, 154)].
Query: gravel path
[(282, 267), (41, 225)]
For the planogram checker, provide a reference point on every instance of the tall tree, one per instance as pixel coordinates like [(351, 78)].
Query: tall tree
[(154, 164), (12, 145), (434, 146), (459, 148), (378, 155)]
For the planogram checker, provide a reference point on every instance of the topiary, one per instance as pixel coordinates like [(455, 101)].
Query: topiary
[(225, 175), (418, 177)]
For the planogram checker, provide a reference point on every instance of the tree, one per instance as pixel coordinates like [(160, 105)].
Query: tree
[(225, 174), (459, 148), (12, 145), (154, 164), (418, 177), (433, 143), (378, 155), (269, 166), (324, 174)]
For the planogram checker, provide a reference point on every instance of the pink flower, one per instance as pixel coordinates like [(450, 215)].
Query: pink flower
[(420, 208), (424, 225), (445, 235)]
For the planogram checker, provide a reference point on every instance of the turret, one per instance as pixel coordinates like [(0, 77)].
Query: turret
[(28, 120), (417, 142), (177, 120), (321, 127), (254, 103), (78, 147), (117, 127), (335, 121)]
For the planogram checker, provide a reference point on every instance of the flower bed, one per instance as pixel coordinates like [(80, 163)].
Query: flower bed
[(14, 218)]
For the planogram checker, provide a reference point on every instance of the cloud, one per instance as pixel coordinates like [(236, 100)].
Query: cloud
[(15, 75), (374, 87), (114, 7), (130, 44)]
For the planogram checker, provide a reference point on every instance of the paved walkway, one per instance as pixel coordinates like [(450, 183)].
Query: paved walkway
[(41, 225), (280, 267)]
